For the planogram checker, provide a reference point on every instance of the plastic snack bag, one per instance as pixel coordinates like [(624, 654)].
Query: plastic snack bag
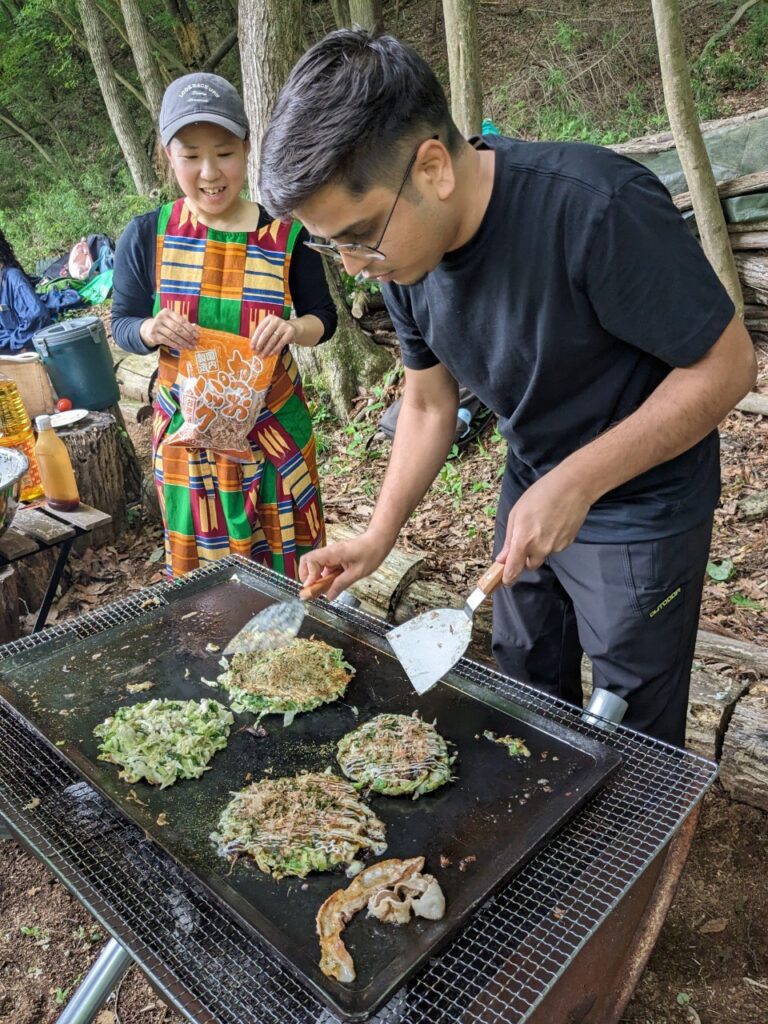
[(222, 388)]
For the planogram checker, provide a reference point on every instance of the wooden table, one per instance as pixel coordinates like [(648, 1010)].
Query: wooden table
[(37, 528)]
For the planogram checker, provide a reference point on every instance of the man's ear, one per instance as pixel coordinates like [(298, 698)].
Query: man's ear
[(434, 168)]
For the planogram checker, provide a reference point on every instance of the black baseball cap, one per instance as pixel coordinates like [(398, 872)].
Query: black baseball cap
[(205, 98)]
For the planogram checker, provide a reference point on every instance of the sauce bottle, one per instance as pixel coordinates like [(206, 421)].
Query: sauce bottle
[(59, 482), (16, 432)]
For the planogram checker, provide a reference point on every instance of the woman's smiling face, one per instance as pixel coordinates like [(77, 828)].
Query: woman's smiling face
[(210, 164)]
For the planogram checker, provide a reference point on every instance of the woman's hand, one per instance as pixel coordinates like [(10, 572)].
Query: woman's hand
[(169, 329), (273, 334)]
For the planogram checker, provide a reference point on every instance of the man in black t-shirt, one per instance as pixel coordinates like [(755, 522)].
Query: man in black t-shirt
[(559, 283)]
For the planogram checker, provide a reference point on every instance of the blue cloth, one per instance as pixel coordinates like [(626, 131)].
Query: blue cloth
[(58, 300), (22, 313), (580, 291)]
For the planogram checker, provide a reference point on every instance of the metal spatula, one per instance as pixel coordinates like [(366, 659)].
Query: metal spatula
[(278, 624), (430, 644)]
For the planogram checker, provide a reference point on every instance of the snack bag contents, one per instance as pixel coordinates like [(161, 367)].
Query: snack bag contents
[(222, 387)]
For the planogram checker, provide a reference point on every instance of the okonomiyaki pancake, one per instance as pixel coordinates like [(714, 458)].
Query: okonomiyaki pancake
[(290, 826), (396, 755), (299, 676)]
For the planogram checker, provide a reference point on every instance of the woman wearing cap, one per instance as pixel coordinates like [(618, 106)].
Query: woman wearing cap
[(213, 259)]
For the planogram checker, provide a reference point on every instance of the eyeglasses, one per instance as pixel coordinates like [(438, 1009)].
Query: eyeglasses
[(357, 249)]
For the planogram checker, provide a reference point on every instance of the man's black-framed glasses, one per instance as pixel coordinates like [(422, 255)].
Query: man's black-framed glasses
[(357, 250)]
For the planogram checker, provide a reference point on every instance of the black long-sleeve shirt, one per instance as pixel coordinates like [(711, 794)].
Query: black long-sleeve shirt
[(134, 283)]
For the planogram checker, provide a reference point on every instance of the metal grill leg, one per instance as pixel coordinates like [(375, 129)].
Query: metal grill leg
[(95, 988)]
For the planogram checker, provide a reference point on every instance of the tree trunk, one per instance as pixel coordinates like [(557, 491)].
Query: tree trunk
[(270, 36), (141, 46), (122, 123), (464, 65), (341, 14), (347, 363), (694, 160), (186, 33), (367, 14)]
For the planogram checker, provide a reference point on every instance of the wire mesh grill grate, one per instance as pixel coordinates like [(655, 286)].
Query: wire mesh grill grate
[(214, 971)]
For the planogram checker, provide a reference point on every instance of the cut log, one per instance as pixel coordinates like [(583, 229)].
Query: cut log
[(755, 403), (744, 764), (732, 652), (753, 298), (753, 271), (754, 506), (745, 227), (756, 319), (380, 593), (742, 186), (748, 239), (136, 376), (97, 451), (713, 696)]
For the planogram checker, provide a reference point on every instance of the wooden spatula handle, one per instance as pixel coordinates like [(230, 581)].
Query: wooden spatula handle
[(320, 586), (491, 578)]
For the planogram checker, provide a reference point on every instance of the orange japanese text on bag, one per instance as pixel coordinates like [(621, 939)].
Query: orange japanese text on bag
[(222, 389)]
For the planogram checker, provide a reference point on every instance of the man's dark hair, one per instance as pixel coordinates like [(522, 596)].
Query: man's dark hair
[(351, 112), (7, 255)]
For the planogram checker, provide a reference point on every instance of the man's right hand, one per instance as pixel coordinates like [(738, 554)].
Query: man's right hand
[(358, 558), (169, 329)]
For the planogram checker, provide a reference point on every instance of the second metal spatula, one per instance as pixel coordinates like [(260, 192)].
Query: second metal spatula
[(430, 644), (278, 624)]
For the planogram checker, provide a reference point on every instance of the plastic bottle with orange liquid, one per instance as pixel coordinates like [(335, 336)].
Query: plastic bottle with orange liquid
[(59, 482), (16, 432)]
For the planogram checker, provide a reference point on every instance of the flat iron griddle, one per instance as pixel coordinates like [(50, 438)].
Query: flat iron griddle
[(499, 811)]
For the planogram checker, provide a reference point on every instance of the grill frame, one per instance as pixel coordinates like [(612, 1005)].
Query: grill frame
[(546, 914)]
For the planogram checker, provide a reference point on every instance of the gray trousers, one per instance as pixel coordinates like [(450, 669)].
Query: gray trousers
[(632, 608)]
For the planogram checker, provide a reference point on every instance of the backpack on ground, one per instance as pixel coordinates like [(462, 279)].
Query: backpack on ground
[(472, 419)]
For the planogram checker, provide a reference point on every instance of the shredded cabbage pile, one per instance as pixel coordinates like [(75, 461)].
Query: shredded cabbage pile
[(164, 740)]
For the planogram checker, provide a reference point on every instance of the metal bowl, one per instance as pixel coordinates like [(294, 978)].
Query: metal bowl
[(13, 466)]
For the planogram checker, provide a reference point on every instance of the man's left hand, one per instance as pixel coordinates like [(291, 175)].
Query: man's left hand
[(546, 518)]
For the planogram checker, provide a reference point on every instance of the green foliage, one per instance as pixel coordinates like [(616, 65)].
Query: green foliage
[(741, 601), (55, 217), (736, 64), (567, 37)]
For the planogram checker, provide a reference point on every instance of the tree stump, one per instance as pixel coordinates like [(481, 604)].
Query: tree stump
[(9, 605), (128, 458), (744, 765), (100, 458)]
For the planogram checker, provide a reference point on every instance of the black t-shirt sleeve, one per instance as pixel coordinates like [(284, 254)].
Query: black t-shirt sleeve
[(648, 279), (309, 288), (415, 352), (134, 282)]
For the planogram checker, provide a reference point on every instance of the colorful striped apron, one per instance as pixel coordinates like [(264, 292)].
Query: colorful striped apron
[(267, 508)]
